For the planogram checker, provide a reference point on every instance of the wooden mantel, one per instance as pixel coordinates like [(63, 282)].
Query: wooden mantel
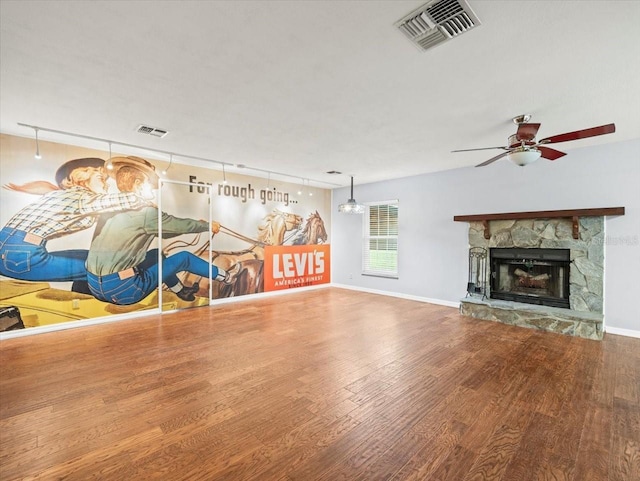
[(573, 214)]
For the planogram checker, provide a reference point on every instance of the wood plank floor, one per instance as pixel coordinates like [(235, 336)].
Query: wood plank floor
[(329, 384)]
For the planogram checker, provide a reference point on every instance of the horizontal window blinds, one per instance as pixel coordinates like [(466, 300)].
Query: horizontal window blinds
[(380, 242)]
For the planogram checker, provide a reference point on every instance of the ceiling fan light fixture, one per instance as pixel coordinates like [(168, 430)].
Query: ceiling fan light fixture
[(522, 147), (523, 156)]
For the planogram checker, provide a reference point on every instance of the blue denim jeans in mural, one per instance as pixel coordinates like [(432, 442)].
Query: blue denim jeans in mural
[(32, 262), (111, 288)]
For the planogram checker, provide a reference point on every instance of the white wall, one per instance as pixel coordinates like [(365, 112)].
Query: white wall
[(433, 248)]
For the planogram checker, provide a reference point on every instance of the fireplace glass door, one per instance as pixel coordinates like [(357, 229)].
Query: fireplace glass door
[(533, 276)]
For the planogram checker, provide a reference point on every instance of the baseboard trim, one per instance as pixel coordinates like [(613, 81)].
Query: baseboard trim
[(622, 332), (428, 300), (262, 295), (75, 324), (610, 330)]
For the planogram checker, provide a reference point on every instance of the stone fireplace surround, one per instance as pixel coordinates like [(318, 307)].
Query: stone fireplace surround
[(582, 234)]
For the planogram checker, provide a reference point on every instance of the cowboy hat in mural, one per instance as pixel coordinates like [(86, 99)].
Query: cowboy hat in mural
[(136, 162), (63, 174)]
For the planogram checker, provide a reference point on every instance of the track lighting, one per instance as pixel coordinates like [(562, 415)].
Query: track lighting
[(37, 156), (100, 139), (109, 165)]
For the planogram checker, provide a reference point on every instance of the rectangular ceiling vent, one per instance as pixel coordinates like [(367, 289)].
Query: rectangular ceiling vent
[(437, 22), (156, 132)]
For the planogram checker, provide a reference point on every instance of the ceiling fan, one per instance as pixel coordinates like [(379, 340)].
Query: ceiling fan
[(523, 148)]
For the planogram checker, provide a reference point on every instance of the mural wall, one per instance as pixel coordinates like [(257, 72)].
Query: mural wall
[(84, 238)]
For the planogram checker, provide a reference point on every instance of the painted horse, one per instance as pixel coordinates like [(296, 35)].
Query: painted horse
[(275, 225), (313, 232)]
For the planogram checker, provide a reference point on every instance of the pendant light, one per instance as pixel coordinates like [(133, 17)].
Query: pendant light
[(351, 206)]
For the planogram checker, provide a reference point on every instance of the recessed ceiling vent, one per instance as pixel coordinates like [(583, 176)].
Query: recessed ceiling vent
[(437, 22), (156, 132)]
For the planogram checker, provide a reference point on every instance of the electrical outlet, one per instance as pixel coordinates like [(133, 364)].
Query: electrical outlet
[(350, 276), (75, 304)]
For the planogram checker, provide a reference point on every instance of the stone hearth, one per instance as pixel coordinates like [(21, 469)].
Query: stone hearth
[(552, 319)]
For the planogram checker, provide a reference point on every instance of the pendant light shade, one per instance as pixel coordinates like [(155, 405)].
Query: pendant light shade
[(351, 206)]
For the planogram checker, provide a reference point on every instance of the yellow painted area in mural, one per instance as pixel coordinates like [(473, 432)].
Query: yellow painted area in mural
[(41, 305)]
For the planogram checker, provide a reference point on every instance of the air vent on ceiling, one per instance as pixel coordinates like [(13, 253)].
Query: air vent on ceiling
[(156, 132), (437, 22)]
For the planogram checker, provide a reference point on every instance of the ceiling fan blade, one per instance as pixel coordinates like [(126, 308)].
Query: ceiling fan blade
[(527, 131), (482, 148), (549, 153), (580, 134), (492, 159)]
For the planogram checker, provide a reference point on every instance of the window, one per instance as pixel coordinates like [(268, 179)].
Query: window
[(380, 242)]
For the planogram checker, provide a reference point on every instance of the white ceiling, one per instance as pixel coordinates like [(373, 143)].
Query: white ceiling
[(311, 86)]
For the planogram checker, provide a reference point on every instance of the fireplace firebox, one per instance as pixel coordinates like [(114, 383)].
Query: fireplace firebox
[(532, 276)]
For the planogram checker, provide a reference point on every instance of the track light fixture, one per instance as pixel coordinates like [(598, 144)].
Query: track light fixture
[(351, 206), (109, 164), (37, 156), (307, 183), (224, 175), (164, 172)]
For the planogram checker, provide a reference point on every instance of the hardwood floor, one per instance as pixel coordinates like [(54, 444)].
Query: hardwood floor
[(327, 384)]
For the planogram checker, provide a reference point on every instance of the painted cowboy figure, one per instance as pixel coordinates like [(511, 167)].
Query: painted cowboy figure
[(121, 269), (71, 207)]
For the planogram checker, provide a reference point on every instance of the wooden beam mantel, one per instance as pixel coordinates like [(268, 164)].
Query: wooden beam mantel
[(573, 214)]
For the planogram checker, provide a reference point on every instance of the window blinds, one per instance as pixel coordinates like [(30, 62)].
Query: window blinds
[(380, 241)]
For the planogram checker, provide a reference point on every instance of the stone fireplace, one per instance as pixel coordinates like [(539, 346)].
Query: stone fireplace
[(546, 270)]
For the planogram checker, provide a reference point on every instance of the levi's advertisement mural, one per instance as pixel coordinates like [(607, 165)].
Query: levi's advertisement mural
[(85, 236)]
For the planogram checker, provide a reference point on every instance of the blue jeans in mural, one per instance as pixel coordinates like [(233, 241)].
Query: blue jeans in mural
[(32, 262), (111, 288)]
